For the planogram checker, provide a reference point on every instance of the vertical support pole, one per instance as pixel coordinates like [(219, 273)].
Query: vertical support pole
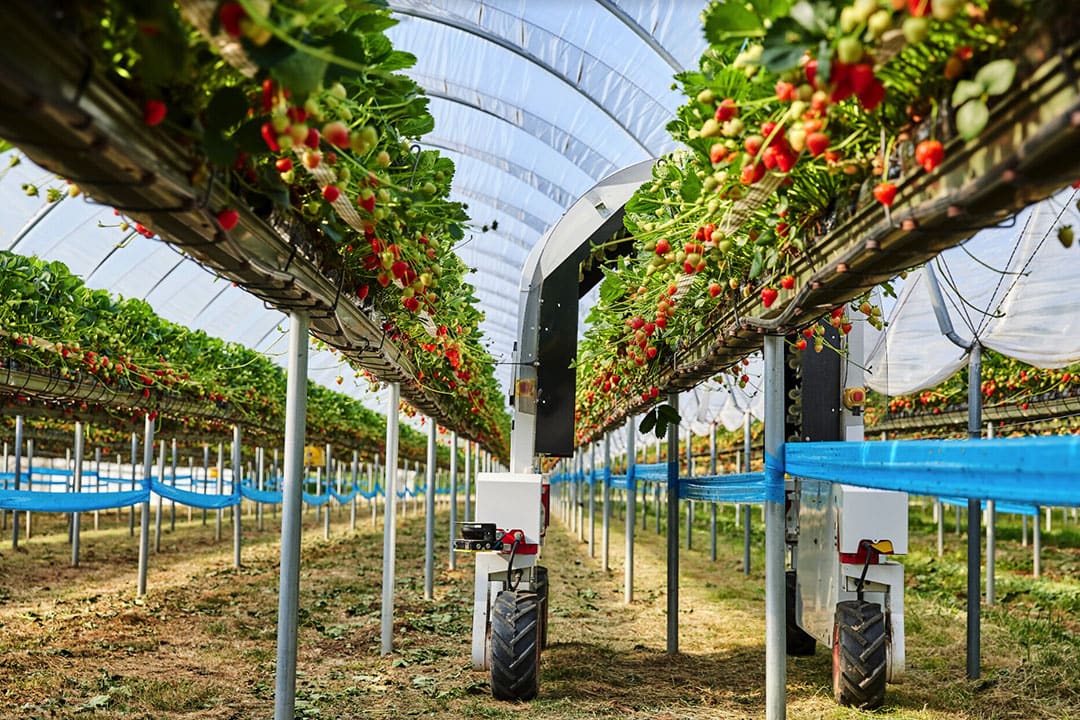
[(940, 529), (468, 480), (991, 528), (712, 505), (191, 474), (355, 478), (373, 473), (220, 487), (18, 473), (144, 526), (453, 497), (746, 468), (157, 505), (673, 531), (689, 503), (429, 514), (325, 490), (605, 505), (77, 484), (292, 500), (592, 499), (134, 464), (29, 478), (237, 476), (260, 484), (97, 484), (277, 476), (1036, 540), (775, 535), (974, 544), (206, 475), (631, 510), (1024, 530), (389, 527), (172, 505)]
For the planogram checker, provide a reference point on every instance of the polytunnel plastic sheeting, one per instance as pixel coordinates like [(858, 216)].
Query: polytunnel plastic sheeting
[(723, 402), (1008, 286)]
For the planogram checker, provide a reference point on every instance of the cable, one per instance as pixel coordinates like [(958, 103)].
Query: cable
[(510, 584)]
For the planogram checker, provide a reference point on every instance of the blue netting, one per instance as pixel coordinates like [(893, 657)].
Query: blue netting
[(207, 501), (41, 501), (1001, 507), (740, 488)]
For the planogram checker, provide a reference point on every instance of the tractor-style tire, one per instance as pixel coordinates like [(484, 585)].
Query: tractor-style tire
[(515, 646), (799, 642), (859, 662), (541, 591)]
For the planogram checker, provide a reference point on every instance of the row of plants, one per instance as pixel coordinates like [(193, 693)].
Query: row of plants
[(1005, 381), (298, 108), (799, 115), (51, 323)]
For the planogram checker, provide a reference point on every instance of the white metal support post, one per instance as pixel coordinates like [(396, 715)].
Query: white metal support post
[(689, 503), (712, 505), (157, 505), (974, 544), (134, 465), (673, 531), (468, 480), (97, 484), (220, 487), (291, 504), (18, 472), (592, 500), (631, 510), (77, 484), (237, 475), (172, 505), (605, 508), (260, 483), (453, 497), (746, 468), (328, 485), (775, 610), (429, 519), (144, 527), (389, 528), (355, 471)]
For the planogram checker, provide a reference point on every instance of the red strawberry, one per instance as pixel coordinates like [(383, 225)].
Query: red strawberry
[(752, 173), (283, 164), (269, 136), (726, 110), (717, 153), (808, 332), (715, 289), (228, 218), (817, 143), (663, 247), (787, 282), (230, 15), (872, 96), (919, 8), (312, 139), (862, 75), (768, 296), (153, 112), (336, 133), (800, 344), (367, 200), (811, 72), (929, 154), (753, 144), (885, 193), (785, 91), (331, 193)]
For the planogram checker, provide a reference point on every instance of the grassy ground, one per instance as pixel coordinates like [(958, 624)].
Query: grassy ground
[(76, 643)]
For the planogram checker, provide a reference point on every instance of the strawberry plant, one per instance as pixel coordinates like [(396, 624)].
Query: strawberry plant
[(799, 114)]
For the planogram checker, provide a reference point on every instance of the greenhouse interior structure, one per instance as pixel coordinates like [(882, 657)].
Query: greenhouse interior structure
[(559, 359)]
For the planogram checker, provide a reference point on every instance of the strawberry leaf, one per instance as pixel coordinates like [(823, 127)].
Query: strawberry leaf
[(971, 118), (966, 90), (996, 77)]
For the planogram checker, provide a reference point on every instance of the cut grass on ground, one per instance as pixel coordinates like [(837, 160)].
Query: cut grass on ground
[(74, 642)]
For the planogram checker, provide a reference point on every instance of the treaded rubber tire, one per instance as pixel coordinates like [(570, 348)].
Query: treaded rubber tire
[(515, 647), (542, 594), (859, 662), (799, 642)]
